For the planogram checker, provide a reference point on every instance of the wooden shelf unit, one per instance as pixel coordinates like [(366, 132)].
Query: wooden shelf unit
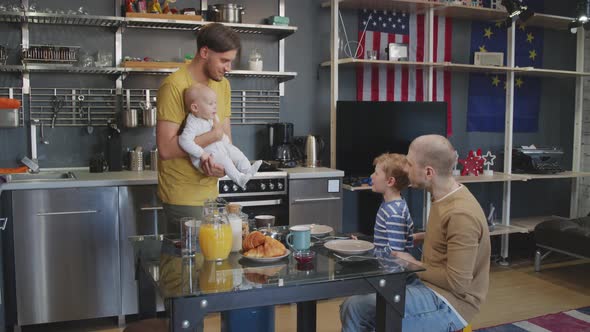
[(500, 229), (539, 20), (562, 175), (408, 6), (430, 9), (529, 223), (468, 68)]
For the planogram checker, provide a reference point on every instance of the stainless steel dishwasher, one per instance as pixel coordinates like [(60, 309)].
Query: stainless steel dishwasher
[(140, 213), (66, 254), (316, 201)]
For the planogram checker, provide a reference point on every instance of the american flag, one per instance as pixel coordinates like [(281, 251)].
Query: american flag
[(399, 83)]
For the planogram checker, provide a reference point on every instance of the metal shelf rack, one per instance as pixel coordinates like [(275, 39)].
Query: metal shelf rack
[(12, 69), (49, 68), (84, 20), (140, 23), (11, 17)]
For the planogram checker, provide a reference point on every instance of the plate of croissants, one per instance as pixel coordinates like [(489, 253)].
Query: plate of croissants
[(263, 249)]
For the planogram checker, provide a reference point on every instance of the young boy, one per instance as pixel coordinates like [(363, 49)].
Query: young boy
[(201, 104), (393, 225)]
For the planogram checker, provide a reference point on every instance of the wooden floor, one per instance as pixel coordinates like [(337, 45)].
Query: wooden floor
[(516, 293)]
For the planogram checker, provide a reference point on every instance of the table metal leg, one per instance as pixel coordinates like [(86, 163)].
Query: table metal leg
[(184, 317), (387, 318), (391, 291), (146, 294), (306, 316)]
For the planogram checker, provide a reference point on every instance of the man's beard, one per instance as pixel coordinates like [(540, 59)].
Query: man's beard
[(210, 74)]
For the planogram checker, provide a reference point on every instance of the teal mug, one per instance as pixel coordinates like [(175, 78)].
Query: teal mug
[(299, 238)]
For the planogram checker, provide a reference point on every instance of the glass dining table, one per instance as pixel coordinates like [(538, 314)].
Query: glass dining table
[(192, 287)]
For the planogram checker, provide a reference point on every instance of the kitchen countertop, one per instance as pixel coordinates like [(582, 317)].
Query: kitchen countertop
[(297, 173), (130, 178), (86, 179)]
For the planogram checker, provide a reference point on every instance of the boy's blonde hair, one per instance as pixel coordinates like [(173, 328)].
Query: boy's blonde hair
[(394, 165)]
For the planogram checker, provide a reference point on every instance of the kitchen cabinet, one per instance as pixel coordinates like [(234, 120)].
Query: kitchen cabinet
[(316, 201), (66, 254), (140, 213)]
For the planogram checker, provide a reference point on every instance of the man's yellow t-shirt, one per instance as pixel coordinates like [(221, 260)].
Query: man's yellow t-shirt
[(179, 182)]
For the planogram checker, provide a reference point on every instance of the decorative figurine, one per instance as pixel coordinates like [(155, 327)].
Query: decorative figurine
[(472, 165), (488, 161)]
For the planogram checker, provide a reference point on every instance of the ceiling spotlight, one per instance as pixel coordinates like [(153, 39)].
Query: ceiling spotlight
[(582, 13), (516, 11), (582, 16)]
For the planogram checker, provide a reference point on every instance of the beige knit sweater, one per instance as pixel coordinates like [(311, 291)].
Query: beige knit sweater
[(456, 252)]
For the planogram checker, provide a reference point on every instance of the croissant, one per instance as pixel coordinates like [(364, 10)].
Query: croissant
[(253, 240), (273, 248), (270, 248)]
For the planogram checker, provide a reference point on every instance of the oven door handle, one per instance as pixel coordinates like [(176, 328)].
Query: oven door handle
[(320, 199), (269, 202), (151, 208)]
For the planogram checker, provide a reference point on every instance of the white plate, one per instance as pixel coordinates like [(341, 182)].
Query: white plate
[(319, 230), (349, 247), (267, 259)]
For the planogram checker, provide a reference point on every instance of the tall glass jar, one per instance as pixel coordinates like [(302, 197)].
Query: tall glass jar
[(255, 60), (235, 216), (215, 234)]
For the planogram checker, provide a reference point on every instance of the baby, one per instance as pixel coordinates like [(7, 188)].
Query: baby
[(201, 104)]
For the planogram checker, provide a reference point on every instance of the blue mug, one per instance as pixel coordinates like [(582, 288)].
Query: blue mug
[(299, 239)]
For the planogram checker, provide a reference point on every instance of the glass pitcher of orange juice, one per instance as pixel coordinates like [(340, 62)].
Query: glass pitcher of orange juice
[(215, 235)]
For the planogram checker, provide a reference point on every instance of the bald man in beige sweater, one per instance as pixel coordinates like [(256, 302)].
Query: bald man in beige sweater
[(456, 252)]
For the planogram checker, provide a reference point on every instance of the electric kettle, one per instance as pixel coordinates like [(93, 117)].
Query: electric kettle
[(311, 151)]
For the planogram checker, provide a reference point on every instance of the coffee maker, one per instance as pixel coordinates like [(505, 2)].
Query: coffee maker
[(280, 144)]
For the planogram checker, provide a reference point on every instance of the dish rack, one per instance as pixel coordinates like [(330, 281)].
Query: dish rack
[(54, 54)]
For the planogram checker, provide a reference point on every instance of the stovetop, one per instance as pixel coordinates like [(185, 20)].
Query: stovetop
[(266, 171), (268, 180)]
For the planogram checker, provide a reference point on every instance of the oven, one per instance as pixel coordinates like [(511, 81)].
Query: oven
[(265, 193)]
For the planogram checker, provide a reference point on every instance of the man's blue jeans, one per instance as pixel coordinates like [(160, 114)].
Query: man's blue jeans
[(425, 311)]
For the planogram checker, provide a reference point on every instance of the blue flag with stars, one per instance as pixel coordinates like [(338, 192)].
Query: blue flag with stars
[(486, 108)]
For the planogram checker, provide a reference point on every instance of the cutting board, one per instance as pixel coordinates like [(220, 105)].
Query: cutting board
[(166, 16), (151, 64)]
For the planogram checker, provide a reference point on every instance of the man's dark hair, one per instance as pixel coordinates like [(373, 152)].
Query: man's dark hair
[(218, 38)]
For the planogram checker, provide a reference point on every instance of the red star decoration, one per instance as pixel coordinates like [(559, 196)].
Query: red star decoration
[(473, 164), (480, 162)]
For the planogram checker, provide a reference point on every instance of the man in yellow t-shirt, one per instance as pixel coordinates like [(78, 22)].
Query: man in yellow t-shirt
[(181, 187)]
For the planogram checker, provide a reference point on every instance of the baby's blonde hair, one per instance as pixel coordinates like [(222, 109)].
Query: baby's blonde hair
[(194, 92)]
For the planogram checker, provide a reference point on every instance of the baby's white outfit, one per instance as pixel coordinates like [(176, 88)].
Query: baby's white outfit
[(236, 165)]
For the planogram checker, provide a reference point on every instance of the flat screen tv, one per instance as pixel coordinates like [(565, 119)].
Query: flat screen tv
[(367, 129)]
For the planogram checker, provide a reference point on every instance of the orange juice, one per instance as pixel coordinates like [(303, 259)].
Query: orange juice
[(216, 241), (216, 277)]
